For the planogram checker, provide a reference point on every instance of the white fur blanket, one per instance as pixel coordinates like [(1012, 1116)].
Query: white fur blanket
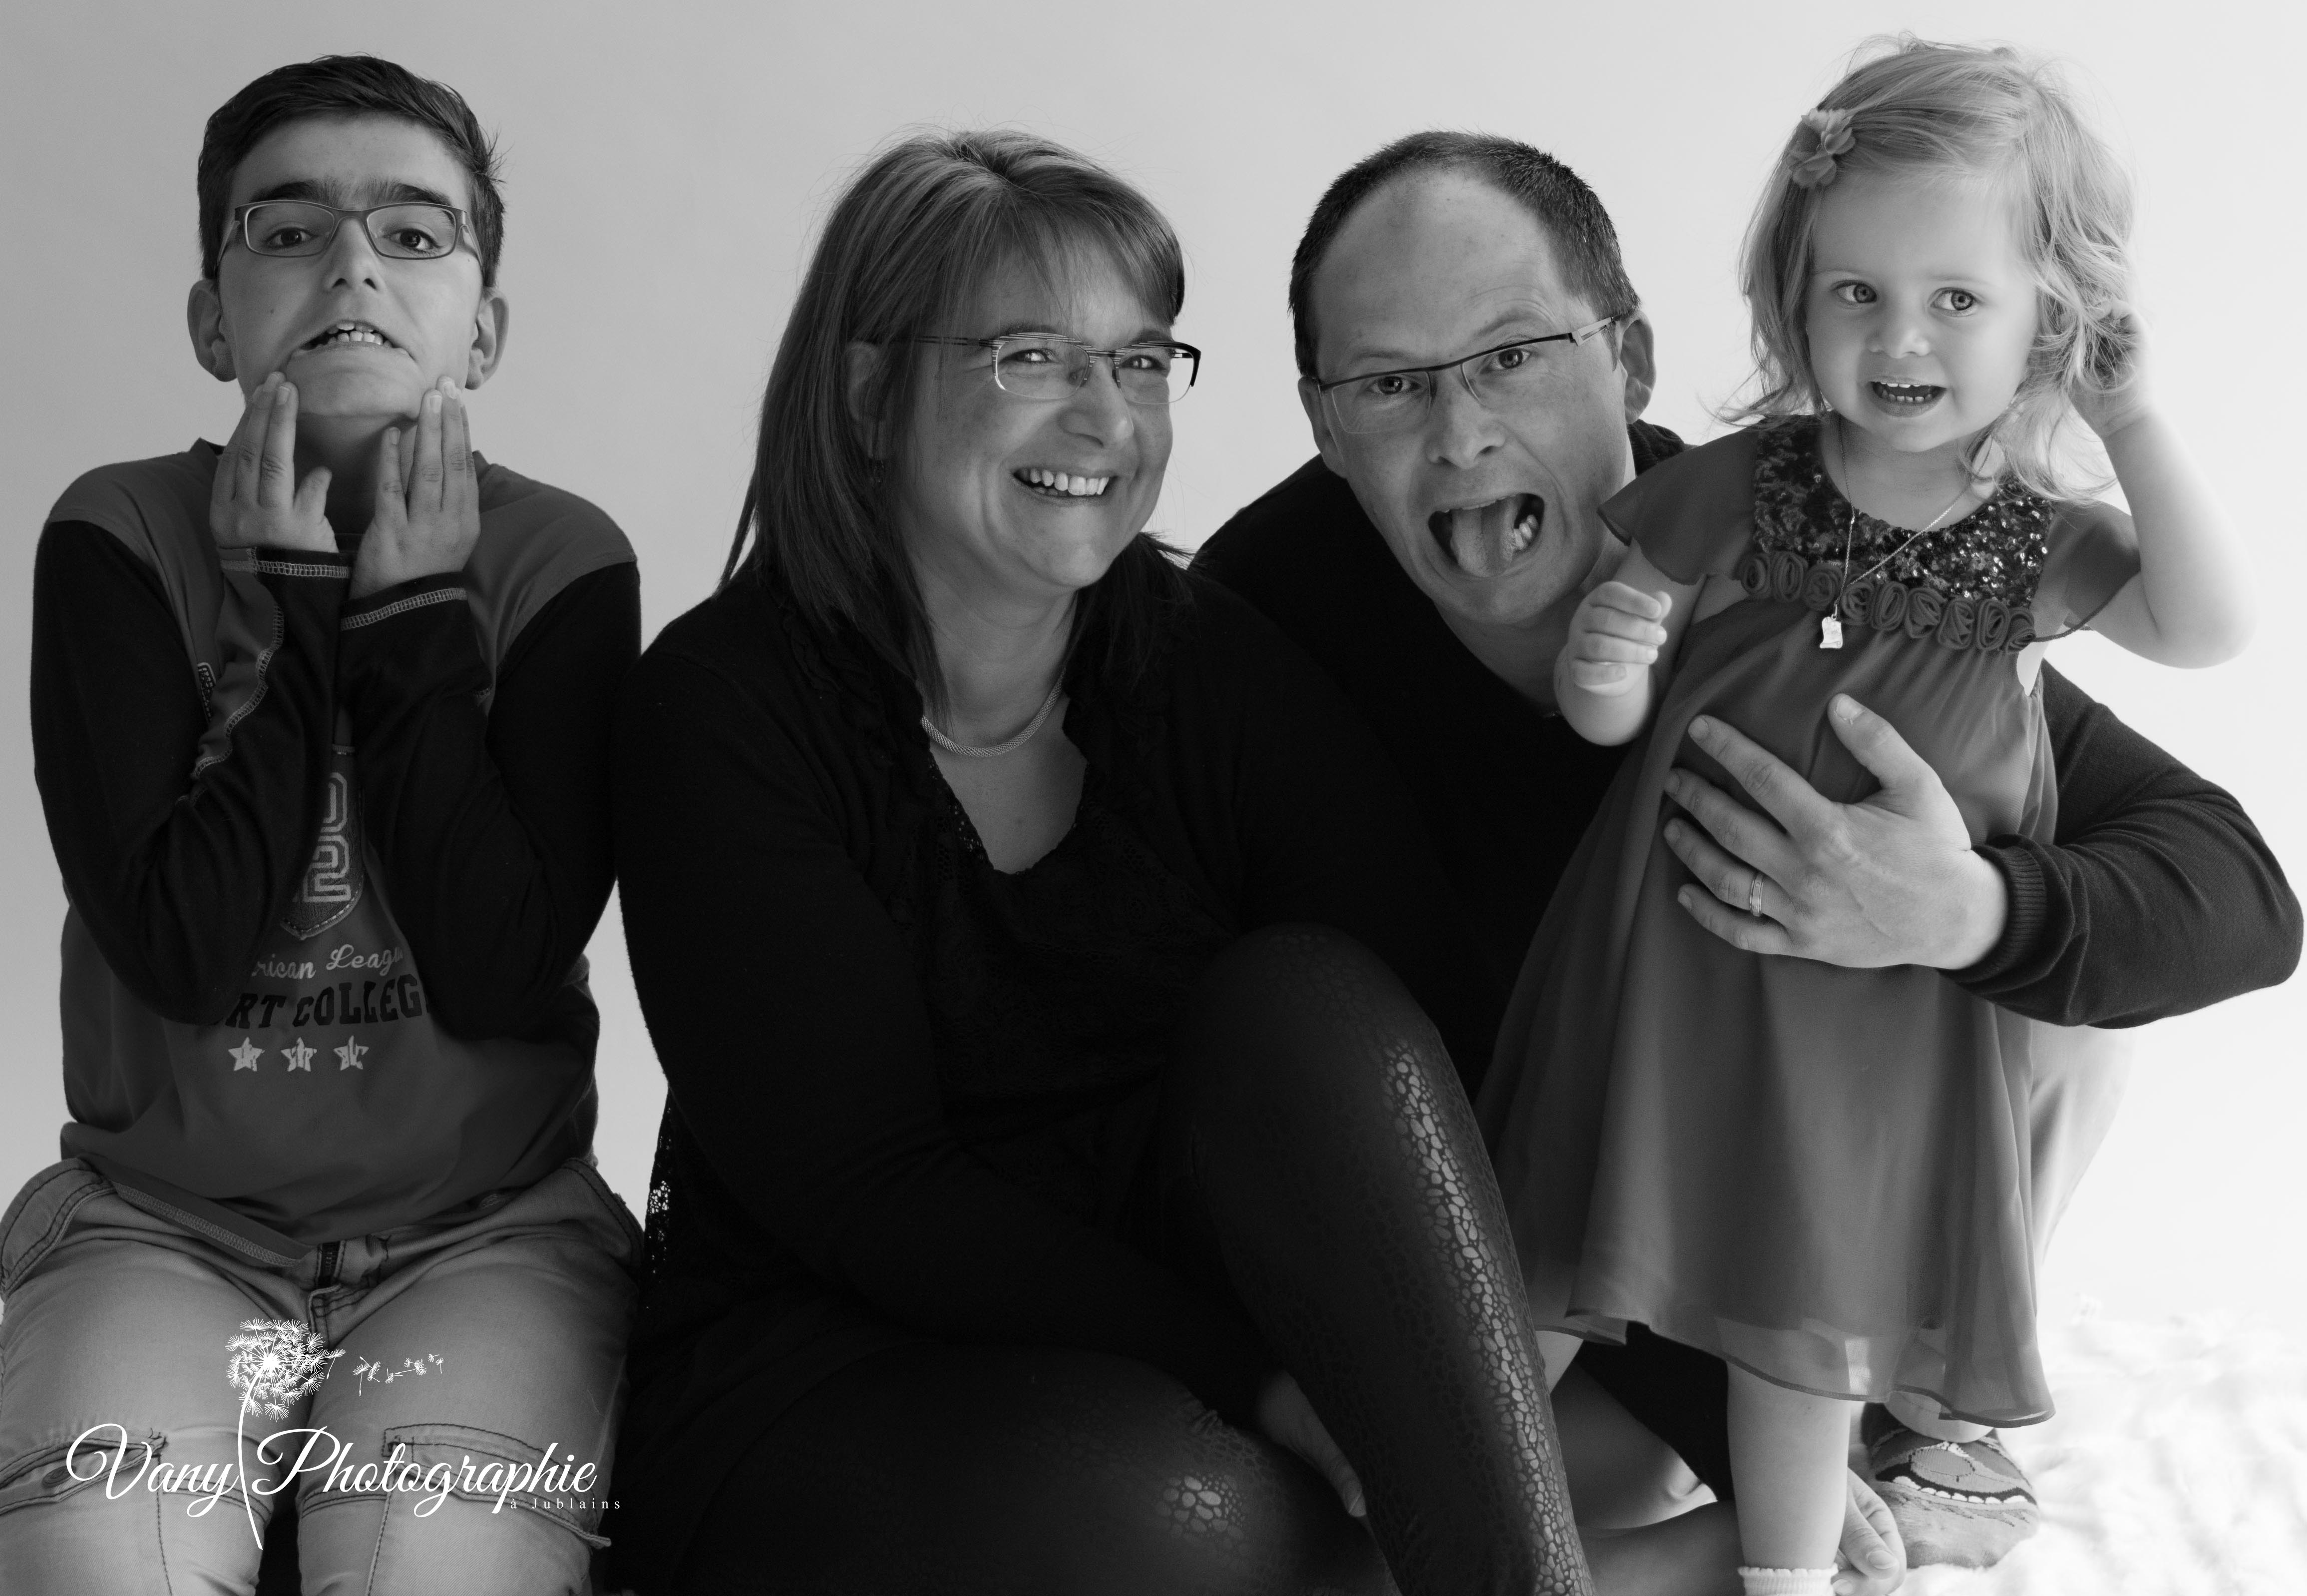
[(2176, 1466)]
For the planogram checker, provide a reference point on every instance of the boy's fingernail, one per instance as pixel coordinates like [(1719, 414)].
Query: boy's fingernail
[(1703, 729), (1878, 1558), (432, 401)]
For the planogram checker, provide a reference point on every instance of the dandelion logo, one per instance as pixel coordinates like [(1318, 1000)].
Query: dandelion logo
[(274, 1364)]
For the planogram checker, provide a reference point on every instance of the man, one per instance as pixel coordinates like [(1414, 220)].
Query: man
[(1433, 569), (322, 723)]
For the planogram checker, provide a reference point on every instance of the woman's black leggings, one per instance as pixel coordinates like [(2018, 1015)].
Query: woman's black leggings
[(1316, 1157)]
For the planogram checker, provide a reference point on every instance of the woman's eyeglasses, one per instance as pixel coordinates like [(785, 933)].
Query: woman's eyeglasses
[(1042, 365)]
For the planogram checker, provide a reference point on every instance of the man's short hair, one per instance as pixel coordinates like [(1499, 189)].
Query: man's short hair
[(1554, 194), (347, 86)]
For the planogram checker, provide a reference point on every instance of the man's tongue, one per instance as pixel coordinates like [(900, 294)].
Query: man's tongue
[(1485, 538)]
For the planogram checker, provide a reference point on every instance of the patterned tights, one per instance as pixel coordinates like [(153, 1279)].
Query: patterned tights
[(1318, 1158)]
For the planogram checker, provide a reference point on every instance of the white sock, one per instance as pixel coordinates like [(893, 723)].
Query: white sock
[(1787, 1582)]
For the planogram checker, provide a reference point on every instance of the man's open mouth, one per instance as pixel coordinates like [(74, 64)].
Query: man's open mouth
[(1483, 539), (1905, 396), (350, 333)]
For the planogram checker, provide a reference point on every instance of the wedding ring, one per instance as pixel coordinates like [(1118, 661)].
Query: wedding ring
[(1754, 895)]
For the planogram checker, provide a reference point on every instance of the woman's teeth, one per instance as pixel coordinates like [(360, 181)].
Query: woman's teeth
[(1912, 394), (1079, 487)]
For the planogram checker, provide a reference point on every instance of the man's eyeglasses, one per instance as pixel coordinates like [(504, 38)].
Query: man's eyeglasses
[(1042, 365), (1505, 378), (405, 230)]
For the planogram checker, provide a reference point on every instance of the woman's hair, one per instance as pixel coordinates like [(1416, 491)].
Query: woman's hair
[(909, 243), (1934, 110)]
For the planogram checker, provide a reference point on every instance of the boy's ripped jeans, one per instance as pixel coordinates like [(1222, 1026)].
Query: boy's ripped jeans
[(483, 1362)]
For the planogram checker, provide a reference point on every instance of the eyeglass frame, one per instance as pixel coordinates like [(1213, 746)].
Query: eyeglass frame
[(1577, 336), (994, 346), (237, 219)]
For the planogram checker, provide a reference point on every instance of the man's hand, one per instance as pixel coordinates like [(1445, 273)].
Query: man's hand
[(1285, 1415), (428, 500), (255, 498), (1892, 881), (1614, 635)]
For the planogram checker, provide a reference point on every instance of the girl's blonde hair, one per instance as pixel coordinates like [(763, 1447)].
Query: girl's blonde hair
[(1929, 109)]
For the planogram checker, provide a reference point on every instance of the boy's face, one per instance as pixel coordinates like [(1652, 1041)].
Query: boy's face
[(264, 313)]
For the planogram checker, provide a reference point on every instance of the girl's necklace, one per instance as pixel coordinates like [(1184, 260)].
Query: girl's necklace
[(1830, 625), (997, 750)]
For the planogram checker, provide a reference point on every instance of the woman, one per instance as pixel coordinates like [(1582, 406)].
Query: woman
[(1041, 1187)]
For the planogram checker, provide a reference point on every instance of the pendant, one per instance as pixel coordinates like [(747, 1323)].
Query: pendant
[(1829, 632)]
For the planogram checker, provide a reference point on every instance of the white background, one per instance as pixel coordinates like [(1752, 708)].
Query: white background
[(665, 168)]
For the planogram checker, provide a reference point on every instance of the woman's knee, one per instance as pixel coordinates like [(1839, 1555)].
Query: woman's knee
[(1296, 1009), (1008, 1469)]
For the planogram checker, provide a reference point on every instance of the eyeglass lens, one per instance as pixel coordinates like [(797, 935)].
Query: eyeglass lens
[(1508, 378), (1052, 368), (414, 231)]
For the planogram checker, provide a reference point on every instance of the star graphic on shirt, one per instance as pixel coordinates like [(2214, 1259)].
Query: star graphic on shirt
[(349, 1056), (300, 1057), (245, 1055)]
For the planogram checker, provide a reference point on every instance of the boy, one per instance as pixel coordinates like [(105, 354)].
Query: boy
[(322, 729)]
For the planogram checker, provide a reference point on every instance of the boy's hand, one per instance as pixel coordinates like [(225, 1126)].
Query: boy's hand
[(255, 498), (2119, 396), (428, 500), (1615, 634)]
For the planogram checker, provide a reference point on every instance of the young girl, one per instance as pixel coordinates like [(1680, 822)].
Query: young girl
[(1820, 1174)]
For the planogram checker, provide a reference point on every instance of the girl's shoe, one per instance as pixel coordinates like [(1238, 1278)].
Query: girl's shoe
[(1961, 1502)]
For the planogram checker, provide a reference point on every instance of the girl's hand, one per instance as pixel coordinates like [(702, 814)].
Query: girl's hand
[(1286, 1417), (1616, 633), (255, 498), (2120, 396), (428, 500)]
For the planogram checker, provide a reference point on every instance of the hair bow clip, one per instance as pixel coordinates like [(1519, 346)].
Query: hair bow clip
[(1830, 136)]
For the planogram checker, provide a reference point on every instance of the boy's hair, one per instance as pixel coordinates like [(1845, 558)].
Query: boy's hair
[(1553, 195), (910, 242), (347, 86), (1930, 109)]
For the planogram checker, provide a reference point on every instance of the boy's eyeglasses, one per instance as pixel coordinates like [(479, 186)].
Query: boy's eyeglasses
[(406, 229), (1506, 378), (1040, 365)]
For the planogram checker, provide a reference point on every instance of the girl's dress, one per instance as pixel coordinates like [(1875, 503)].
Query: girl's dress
[(1817, 1173)]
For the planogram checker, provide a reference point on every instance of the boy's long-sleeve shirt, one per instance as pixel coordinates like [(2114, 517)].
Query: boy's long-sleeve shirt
[(332, 865)]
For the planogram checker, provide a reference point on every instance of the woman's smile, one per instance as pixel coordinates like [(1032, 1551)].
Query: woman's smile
[(1045, 482)]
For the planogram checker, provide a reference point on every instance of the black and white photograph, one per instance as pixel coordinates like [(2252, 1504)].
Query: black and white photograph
[(1223, 800)]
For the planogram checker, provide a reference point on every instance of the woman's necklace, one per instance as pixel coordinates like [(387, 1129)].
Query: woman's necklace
[(999, 748), (1830, 625)]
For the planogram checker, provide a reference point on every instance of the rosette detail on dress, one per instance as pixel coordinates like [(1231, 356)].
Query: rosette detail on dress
[(1989, 625)]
